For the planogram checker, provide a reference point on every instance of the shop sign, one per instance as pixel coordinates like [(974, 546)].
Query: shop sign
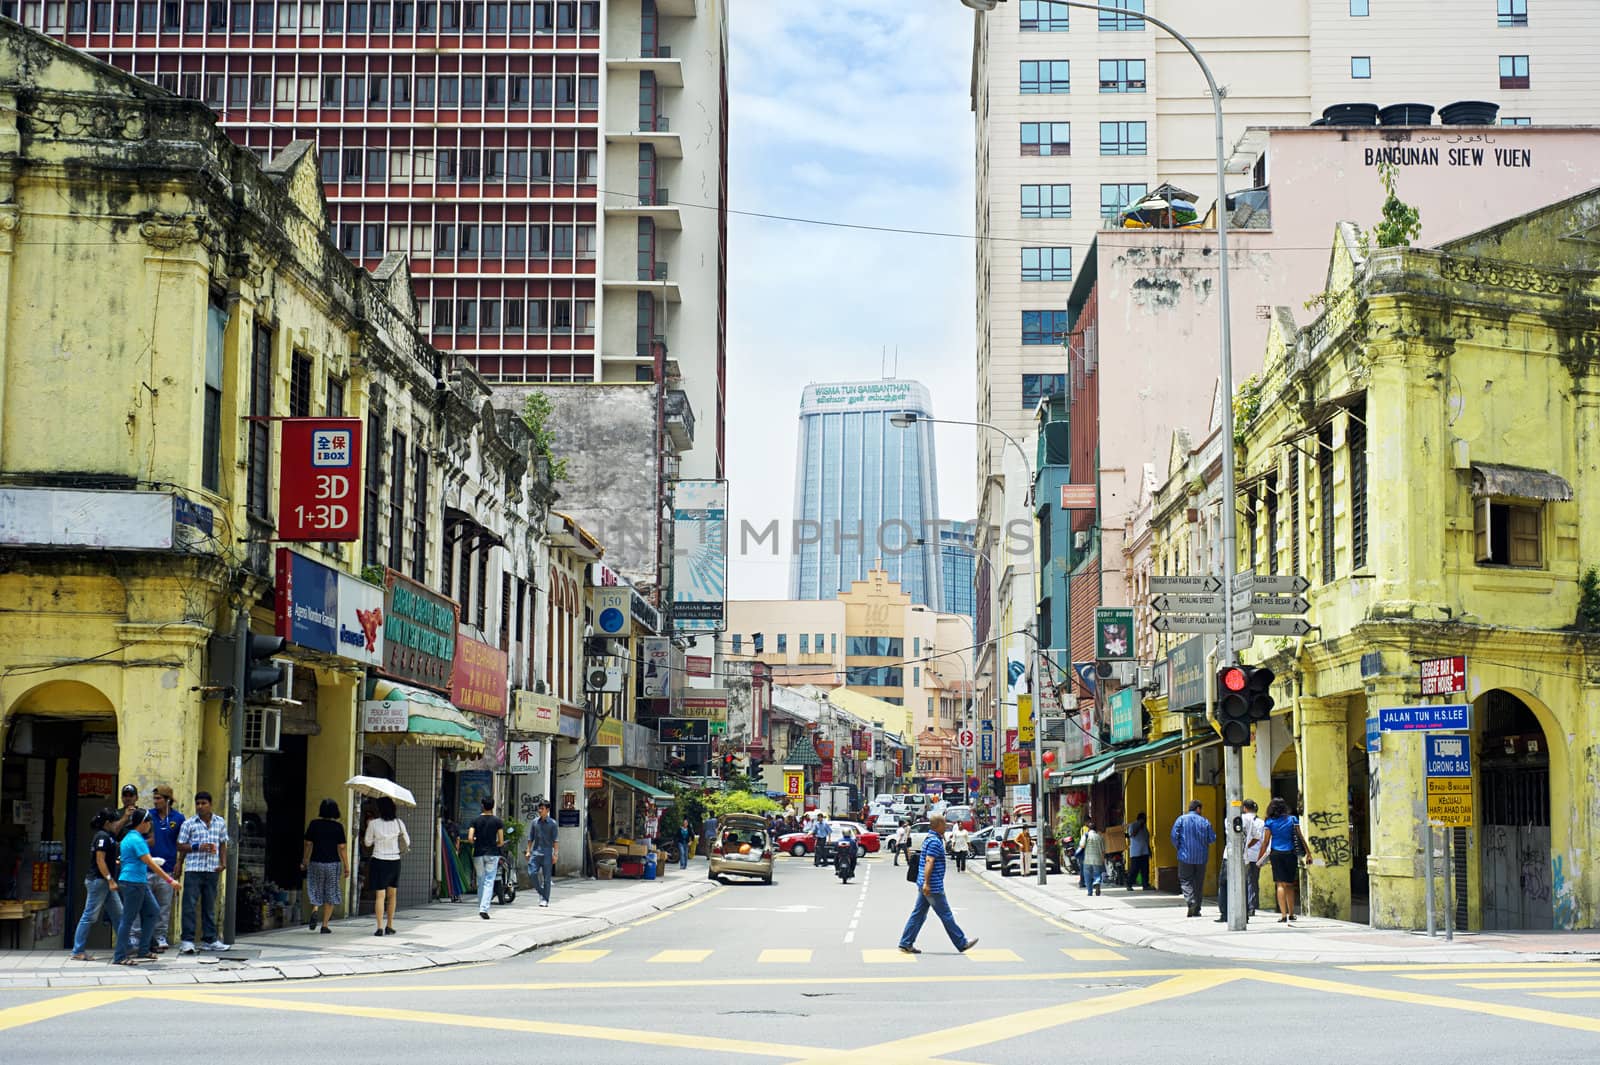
[(1113, 633), (709, 707), (680, 730), (570, 728), (1025, 719), (825, 750), (593, 778), (603, 576), (535, 713), (1444, 676), (419, 633), (385, 715), (522, 756), (92, 785), (319, 480), (478, 682), (646, 617), (697, 665), (307, 602), (613, 611), (1125, 716), (1187, 681), (825, 773), (609, 734), (360, 614), (794, 784), (656, 657)]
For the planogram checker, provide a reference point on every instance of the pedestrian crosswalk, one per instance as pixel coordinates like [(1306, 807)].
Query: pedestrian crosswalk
[(806, 956), (1553, 980)]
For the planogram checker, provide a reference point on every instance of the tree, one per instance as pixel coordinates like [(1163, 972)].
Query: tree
[(1401, 221), (1589, 601), (536, 411)]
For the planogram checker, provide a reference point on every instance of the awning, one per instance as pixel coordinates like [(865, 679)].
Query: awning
[(1109, 763), (1518, 482), (637, 785), (1088, 771), (399, 713)]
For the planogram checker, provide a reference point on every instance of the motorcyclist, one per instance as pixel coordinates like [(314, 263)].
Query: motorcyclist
[(844, 856)]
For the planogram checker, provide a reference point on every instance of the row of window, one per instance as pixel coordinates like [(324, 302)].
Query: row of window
[(1046, 76), (1055, 201), (1508, 13), (1055, 138), (1036, 386), (1052, 16), (290, 16), (855, 646), (510, 315), (558, 166), (468, 240), (545, 92), (1514, 70)]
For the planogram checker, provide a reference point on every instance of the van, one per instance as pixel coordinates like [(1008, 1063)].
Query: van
[(743, 847)]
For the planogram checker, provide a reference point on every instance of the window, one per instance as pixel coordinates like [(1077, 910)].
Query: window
[(1047, 264), (419, 516), (1047, 138), (1355, 442), (1036, 386), (397, 499), (1113, 198), (738, 644), (1359, 8), (916, 679), (258, 468), (818, 643), (1111, 22), (874, 646), (1047, 201), (1045, 76), (1122, 75), (1042, 16), (1508, 534), (874, 676), (335, 402), (1044, 327), (805, 643), (1512, 12), (330, 166), (1325, 500), (1513, 72), (783, 643), (373, 487), (216, 336), (1123, 138), (1517, 120), (1361, 67), (300, 385)]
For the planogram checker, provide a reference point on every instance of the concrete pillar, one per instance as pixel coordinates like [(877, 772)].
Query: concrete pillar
[(1325, 791), (1397, 808)]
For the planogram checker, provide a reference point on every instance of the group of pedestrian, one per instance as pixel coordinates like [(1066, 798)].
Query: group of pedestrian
[(138, 857), (1278, 840)]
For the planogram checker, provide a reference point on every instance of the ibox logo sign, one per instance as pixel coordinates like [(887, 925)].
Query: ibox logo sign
[(319, 480)]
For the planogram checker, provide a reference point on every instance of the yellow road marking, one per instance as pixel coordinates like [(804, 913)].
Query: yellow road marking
[(1492, 1009), (886, 956), (596, 938), (655, 917), (1091, 954), (1485, 974), (573, 957), (679, 957), (1091, 937), (1527, 985), (992, 954), (1485, 966), (1566, 994), (51, 1008), (782, 956), (492, 1022)]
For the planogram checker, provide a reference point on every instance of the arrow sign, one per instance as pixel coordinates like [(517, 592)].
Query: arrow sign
[(1242, 639), (1281, 585), (1243, 620), (1244, 581), (1186, 584), (1186, 604), (1282, 626), (1280, 604), (1240, 600), (1186, 623)]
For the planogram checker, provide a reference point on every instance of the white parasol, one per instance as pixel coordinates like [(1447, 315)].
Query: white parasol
[(377, 787)]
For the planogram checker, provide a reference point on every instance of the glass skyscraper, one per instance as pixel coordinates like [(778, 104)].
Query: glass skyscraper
[(958, 559), (865, 491)]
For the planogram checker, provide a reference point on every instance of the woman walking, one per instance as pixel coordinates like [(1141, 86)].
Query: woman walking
[(325, 862), (1285, 830), (388, 838), (1094, 857), (960, 843), (138, 901)]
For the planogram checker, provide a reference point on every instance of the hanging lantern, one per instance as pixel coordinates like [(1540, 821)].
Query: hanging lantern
[(1049, 758)]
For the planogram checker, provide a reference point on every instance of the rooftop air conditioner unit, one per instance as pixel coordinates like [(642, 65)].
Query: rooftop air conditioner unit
[(263, 728), (609, 757), (603, 679)]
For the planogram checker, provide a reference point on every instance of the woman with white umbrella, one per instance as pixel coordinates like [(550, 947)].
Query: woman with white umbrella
[(387, 836)]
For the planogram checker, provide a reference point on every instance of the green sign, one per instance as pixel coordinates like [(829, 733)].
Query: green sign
[(419, 633), (718, 728), (1113, 633), (1126, 716)]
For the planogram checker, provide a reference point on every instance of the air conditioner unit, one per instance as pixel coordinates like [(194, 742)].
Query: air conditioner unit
[(1080, 540), (610, 757), (603, 679), (282, 693), (1105, 670), (1147, 677), (1207, 766), (1123, 673), (263, 728)]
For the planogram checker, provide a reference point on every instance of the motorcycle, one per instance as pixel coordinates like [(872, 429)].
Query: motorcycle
[(844, 860), (505, 874)]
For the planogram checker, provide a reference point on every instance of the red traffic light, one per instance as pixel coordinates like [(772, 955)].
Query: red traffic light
[(1234, 679)]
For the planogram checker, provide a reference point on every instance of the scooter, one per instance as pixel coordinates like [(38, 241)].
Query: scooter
[(505, 874), (844, 861)]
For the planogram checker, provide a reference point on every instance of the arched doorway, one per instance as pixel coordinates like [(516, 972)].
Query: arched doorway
[(1514, 879)]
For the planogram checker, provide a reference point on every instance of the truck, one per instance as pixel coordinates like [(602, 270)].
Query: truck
[(834, 800)]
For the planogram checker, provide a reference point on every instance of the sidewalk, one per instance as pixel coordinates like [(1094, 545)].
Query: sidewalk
[(441, 933), (1156, 920)]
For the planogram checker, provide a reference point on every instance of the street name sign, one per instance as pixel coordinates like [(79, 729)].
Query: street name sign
[(1281, 626), (1278, 584), (1186, 603), (1241, 599), (1279, 604), (1450, 717), (1186, 623), (1186, 584), (1242, 639)]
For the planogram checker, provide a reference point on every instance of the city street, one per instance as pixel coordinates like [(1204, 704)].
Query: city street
[(807, 970)]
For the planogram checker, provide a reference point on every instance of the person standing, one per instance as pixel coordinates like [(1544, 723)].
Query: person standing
[(544, 847), (1284, 830), (101, 897), (487, 834), (202, 851), (1025, 853), (930, 894), (683, 844), (819, 837), (388, 838), (325, 862), (902, 842), (960, 843), (1139, 851), (1253, 835), (1094, 857), (1193, 836), (133, 884), (165, 824), (130, 803)]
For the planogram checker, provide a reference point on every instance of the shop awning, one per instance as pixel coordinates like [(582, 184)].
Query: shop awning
[(1518, 482), (1155, 750), (399, 713), (637, 785), (1088, 771)]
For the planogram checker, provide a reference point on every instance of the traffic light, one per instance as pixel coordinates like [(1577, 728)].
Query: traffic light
[(998, 783), (1244, 696), (727, 766), (260, 672)]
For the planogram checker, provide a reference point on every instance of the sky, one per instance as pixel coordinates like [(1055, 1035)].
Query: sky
[(850, 111)]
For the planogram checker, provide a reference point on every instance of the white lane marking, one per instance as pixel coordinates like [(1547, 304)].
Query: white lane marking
[(849, 937)]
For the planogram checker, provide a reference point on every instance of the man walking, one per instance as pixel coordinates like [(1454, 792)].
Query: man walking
[(487, 834), (1139, 851), (819, 836), (544, 847), (202, 851), (902, 841), (165, 824), (1193, 836), (930, 894)]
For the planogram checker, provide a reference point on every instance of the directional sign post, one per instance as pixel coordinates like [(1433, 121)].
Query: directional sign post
[(1448, 762), (1181, 603), (1187, 623), (1186, 584), (1276, 584), (1279, 604), (1281, 626), (1450, 717)]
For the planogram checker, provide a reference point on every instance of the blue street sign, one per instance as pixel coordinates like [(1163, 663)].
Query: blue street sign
[(1374, 736), (1448, 756), (986, 747), (1452, 717)]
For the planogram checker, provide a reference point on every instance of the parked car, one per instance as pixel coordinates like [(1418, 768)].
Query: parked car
[(742, 848), (799, 844), (1010, 852)]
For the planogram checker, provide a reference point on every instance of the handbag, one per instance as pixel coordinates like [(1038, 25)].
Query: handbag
[(1299, 838), (912, 867)]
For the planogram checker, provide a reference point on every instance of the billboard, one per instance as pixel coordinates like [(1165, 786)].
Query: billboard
[(319, 480), (306, 602), (700, 569), (478, 682), (656, 661)]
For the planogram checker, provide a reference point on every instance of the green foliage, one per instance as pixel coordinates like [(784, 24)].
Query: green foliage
[(1401, 221), (1589, 601), (1069, 821), (739, 802), (536, 411), (372, 575), (1246, 405), (737, 782)]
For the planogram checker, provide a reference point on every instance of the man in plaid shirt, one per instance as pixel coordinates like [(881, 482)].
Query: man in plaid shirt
[(202, 852)]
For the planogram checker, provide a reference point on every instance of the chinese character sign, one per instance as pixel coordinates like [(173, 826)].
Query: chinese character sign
[(522, 756), (319, 480)]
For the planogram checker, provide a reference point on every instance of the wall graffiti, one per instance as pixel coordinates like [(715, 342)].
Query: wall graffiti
[(1326, 819), (1333, 850), (1535, 880), (1566, 902)]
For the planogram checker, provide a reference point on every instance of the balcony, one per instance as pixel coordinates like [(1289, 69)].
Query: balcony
[(668, 71), (657, 208), (678, 8), (668, 145), (680, 419), (664, 289)]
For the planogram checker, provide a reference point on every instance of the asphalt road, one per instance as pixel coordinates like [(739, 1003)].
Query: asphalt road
[(806, 971)]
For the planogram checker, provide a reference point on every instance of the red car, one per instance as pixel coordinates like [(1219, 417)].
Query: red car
[(800, 844)]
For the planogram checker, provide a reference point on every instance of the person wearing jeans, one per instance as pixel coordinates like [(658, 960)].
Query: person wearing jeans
[(487, 835), (165, 824), (101, 896), (138, 904), (202, 851), (683, 844), (930, 894), (543, 849), (1094, 858)]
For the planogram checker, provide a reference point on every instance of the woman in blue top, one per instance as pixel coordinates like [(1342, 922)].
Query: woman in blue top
[(1283, 829), (133, 884)]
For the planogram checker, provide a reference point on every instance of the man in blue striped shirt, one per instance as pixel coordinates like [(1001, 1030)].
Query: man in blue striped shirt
[(930, 885)]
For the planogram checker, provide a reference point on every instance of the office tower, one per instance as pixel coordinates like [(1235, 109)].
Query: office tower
[(865, 490), (958, 563)]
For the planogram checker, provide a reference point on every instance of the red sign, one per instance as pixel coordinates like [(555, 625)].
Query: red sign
[(92, 785), (1011, 741), (1077, 497), (697, 665), (593, 778), (825, 750), (825, 773), (319, 480), (1444, 676), (478, 682)]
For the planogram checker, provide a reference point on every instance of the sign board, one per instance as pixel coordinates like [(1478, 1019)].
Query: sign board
[(608, 733), (656, 663), (535, 713), (709, 707), (1113, 633), (700, 556), (1025, 719), (306, 602), (1279, 604), (1126, 716), (1077, 497), (613, 611), (360, 607), (1187, 603), (1374, 736), (479, 680), (419, 633), (965, 738), (1186, 623), (1450, 717), (593, 778), (1277, 584), (567, 818), (1447, 756), (1185, 584), (697, 665), (1011, 768), (1281, 626), (319, 480), (1444, 676), (986, 748), (1450, 801), (794, 784), (683, 730), (1186, 685), (522, 756), (384, 715)]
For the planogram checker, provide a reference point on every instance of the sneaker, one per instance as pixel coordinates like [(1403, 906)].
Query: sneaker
[(186, 947), (909, 950), (217, 945), (544, 902), (162, 944), (968, 945), (484, 914)]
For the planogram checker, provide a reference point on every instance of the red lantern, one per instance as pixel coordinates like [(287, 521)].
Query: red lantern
[(1049, 758)]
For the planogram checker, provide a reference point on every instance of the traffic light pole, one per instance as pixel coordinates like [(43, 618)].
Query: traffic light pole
[(241, 681)]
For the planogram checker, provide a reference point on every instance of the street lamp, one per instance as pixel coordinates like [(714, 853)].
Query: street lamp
[(1233, 767), (906, 419)]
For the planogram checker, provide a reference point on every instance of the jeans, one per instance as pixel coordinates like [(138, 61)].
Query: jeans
[(163, 892), (1139, 865), (816, 854), (540, 870), (485, 865), (961, 860), (99, 901), (683, 854), (138, 904), (1092, 876), (1252, 887), (1192, 878), (919, 913), (199, 893)]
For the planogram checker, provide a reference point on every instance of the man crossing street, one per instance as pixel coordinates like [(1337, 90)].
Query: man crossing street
[(1193, 836)]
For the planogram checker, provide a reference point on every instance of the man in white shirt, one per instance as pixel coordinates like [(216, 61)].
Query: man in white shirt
[(1255, 852)]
